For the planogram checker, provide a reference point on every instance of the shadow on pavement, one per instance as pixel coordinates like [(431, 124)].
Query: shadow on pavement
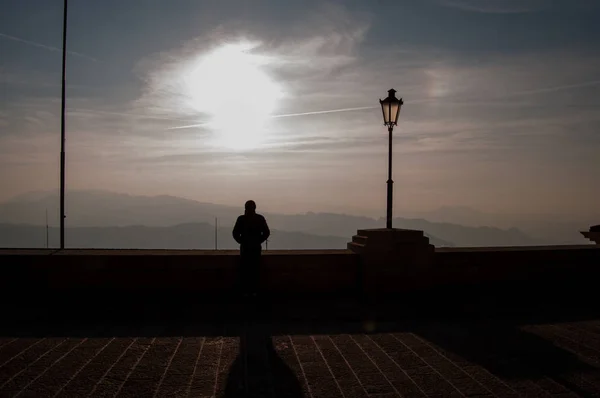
[(504, 349), (258, 371)]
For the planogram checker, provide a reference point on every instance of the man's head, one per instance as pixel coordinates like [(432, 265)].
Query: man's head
[(250, 206)]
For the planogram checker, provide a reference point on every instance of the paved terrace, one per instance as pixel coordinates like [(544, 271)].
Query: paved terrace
[(506, 331), (249, 353)]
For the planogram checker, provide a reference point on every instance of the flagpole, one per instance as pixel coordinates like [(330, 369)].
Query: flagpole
[(62, 131), (216, 234), (46, 228)]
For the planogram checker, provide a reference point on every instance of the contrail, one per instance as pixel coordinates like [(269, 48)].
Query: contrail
[(327, 111), (92, 111), (289, 115), (188, 126), (40, 45), (557, 88)]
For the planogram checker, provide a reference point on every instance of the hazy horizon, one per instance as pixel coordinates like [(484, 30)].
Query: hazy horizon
[(375, 213), (102, 218), (220, 102)]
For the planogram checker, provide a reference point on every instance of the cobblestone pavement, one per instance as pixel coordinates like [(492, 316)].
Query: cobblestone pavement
[(421, 358)]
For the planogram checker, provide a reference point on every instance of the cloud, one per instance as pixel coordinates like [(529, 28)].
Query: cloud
[(320, 45)]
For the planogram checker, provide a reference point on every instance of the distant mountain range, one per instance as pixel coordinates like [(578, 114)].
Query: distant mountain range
[(182, 236), (560, 229), (107, 219)]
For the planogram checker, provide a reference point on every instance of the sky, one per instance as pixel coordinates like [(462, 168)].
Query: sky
[(277, 101)]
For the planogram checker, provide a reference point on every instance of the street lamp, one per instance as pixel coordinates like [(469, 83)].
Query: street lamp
[(391, 110)]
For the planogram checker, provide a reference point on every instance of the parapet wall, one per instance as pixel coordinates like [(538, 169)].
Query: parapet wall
[(306, 271), (532, 263), (324, 271)]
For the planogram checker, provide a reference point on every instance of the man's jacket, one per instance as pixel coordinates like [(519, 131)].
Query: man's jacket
[(251, 230)]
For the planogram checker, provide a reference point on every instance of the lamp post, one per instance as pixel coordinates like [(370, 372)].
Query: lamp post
[(390, 108)]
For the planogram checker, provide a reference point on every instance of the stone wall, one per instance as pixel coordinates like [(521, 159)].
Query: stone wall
[(481, 265), (293, 272), (323, 271)]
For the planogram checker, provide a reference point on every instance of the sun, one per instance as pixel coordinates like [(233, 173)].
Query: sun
[(230, 84)]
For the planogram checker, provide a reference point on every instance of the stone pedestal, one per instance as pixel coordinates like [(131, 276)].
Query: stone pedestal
[(593, 236), (393, 260)]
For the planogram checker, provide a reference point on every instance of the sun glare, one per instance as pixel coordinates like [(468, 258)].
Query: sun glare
[(230, 85)]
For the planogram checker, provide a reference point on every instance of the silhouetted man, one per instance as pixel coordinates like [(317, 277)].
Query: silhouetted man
[(250, 231)]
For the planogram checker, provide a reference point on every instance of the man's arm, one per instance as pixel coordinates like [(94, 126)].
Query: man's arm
[(266, 232), (237, 234)]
